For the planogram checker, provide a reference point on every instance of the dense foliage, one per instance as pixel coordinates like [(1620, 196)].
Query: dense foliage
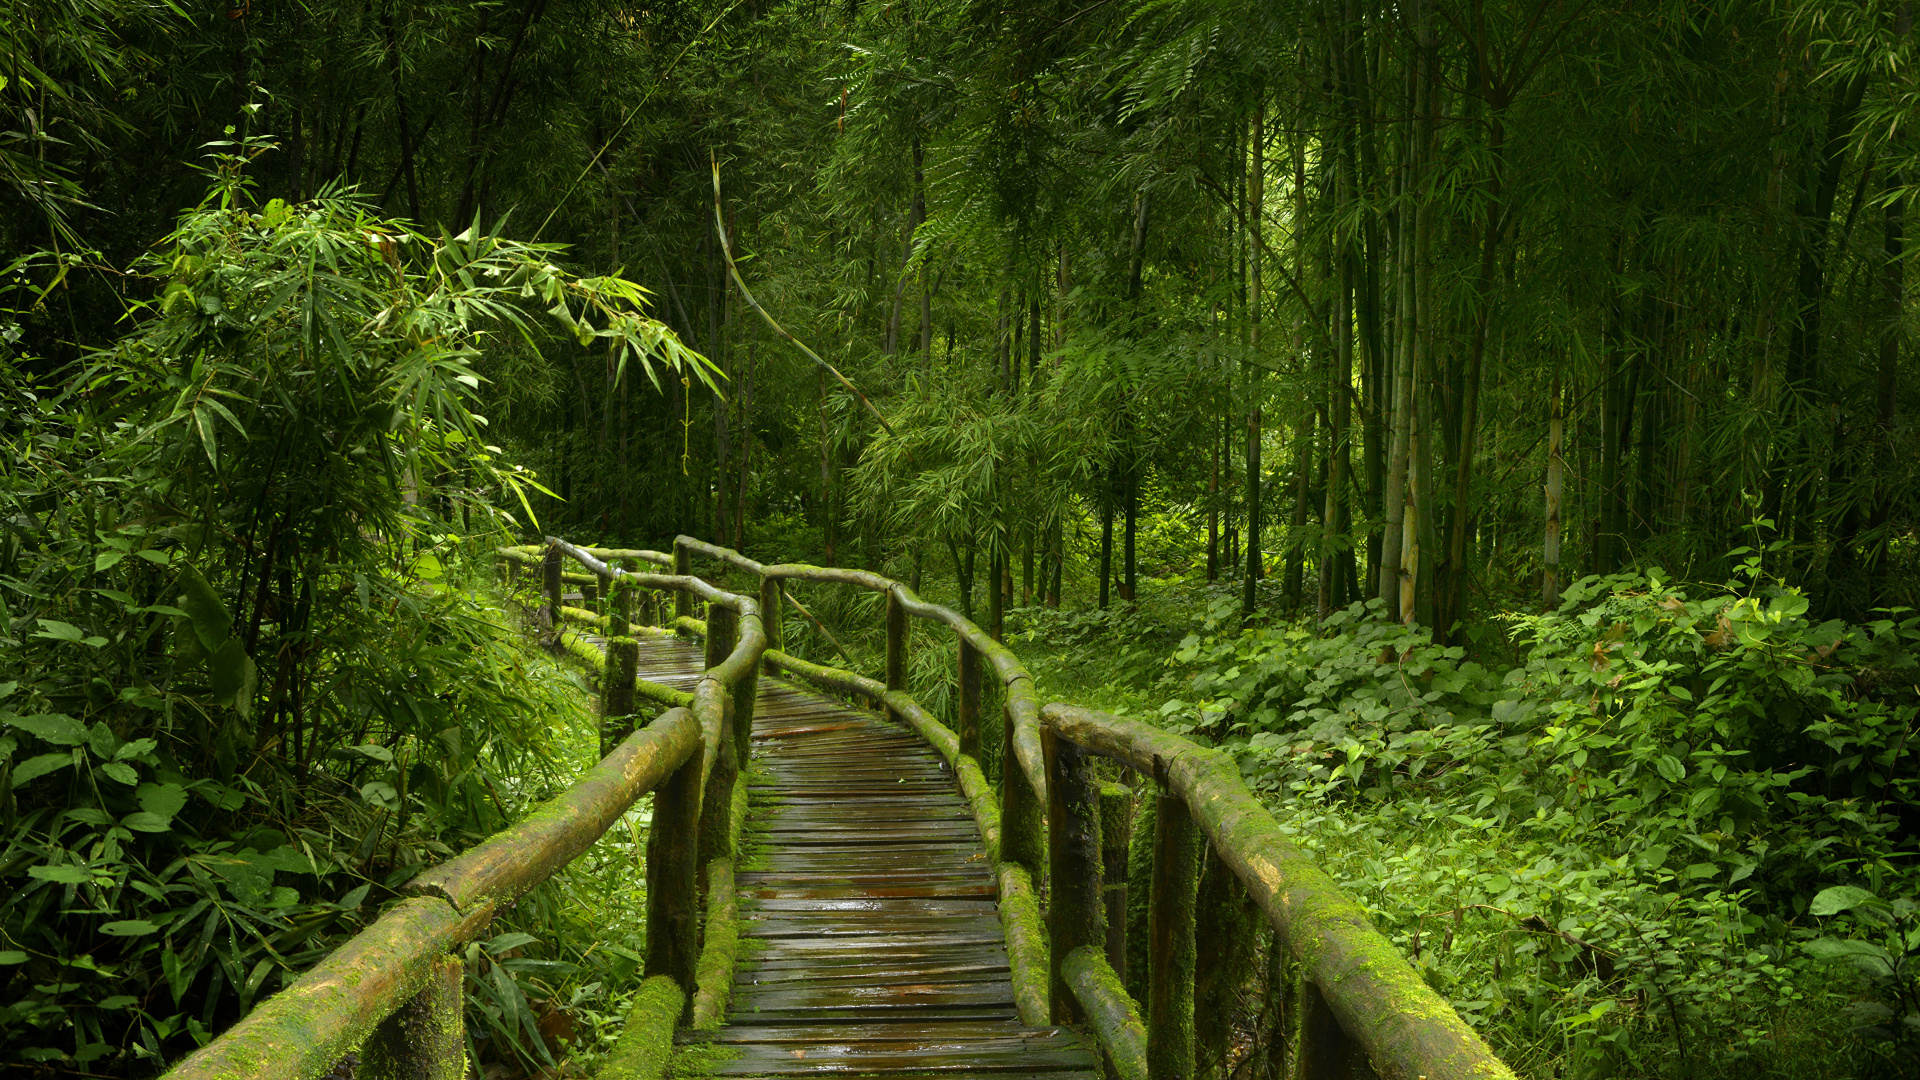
[(1364, 359)]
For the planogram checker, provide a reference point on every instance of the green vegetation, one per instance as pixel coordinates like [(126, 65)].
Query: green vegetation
[(1489, 420)]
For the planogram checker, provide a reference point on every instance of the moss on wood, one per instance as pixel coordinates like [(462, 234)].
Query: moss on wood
[(646, 1042), (1113, 1016), (1026, 943), (720, 951)]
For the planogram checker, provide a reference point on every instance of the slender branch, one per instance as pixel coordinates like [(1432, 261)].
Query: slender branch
[(726, 252), (818, 625)]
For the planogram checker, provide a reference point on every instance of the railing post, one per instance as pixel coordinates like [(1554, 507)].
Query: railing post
[(604, 588), (771, 621), (723, 633), (967, 718), (1076, 913), (1021, 815), (619, 607), (1170, 948), (425, 1039), (550, 570), (590, 597), (1116, 831), (673, 945), (716, 810), (616, 691), (682, 599), (896, 650), (1323, 1051)]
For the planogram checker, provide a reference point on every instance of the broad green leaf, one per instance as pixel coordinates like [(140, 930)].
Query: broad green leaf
[(107, 559), (12, 956), (1839, 898), (121, 771), (503, 942), (207, 614), (145, 822), (62, 874), (59, 631), (128, 928), (234, 675), (161, 800), (56, 728), (36, 767)]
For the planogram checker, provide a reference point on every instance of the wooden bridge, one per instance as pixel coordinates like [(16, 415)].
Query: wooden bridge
[(834, 887)]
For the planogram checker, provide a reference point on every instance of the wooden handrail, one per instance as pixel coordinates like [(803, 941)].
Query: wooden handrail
[(402, 966), (302, 1031), (1383, 1009)]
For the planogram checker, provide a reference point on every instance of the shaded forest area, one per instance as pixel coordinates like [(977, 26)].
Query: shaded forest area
[(1490, 419)]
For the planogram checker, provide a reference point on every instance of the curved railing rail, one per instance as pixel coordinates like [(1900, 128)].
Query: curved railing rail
[(393, 992)]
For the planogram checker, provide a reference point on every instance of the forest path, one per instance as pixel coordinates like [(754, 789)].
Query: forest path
[(871, 938)]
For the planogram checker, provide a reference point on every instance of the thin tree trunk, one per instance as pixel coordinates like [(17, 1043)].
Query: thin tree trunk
[(1556, 448), (1249, 601)]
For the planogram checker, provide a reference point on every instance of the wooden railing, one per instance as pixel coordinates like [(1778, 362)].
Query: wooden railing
[(1357, 1008), (393, 993)]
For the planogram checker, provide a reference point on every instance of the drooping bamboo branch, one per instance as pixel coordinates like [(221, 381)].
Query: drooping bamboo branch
[(746, 294)]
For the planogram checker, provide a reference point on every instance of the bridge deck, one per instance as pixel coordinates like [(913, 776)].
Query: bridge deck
[(872, 941)]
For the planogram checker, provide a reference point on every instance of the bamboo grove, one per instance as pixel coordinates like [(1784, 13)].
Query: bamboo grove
[(1443, 303)]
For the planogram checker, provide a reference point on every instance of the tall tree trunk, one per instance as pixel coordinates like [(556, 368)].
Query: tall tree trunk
[(1550, 547), (1256, 200)]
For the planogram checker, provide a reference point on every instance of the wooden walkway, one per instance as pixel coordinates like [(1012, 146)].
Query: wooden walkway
[(872, 944)]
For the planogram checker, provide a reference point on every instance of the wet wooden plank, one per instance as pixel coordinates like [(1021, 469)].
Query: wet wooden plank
[(856, 1058), (1001, 1033)]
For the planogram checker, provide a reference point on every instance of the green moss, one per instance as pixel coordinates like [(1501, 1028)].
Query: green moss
[(698, 1060), (646, 1043)]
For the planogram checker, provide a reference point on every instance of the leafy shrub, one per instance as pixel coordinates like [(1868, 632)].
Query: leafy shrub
[(1611, 839)]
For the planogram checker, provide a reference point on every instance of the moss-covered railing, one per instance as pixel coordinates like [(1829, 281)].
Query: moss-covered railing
[(1354, 1007), (393, 993)]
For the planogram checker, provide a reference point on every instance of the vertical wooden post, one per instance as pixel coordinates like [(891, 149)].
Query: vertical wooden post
[(605, 592), (550, 571), (968, 714), (619, 607), (771, 620), (1076, 913), (673, 945), (425, 1039), (745, 692), (1021, 815), (716, 810), (1273, 1034), (997, 597), (896, 650), (616, 692), (723, 633), (1323, 1051), (1116, 829), (1170, 948), (590, 597), (682, 599)]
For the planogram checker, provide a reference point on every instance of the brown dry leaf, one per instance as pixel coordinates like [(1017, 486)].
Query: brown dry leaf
[(798, 1053)]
